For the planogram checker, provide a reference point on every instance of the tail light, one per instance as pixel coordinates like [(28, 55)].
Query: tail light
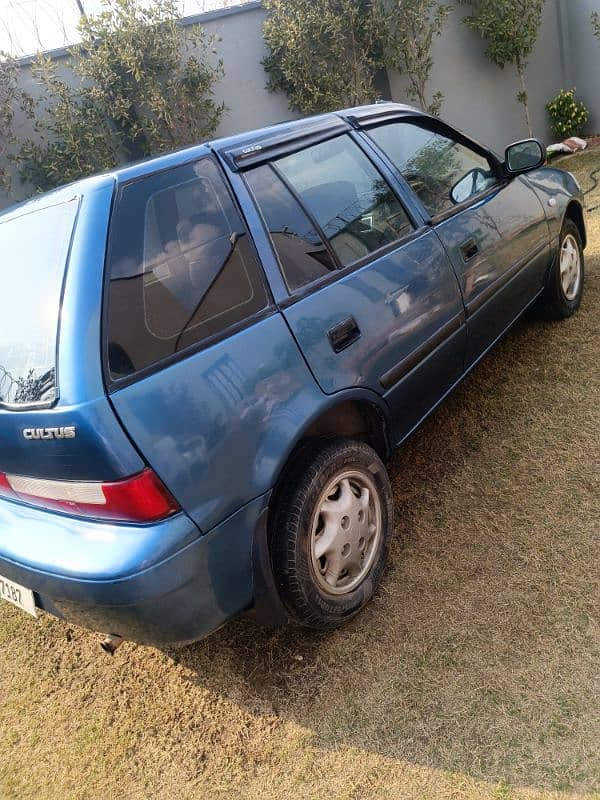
[(141, 498)]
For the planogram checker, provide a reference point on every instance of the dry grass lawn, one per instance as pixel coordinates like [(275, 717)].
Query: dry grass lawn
[(473, 674)]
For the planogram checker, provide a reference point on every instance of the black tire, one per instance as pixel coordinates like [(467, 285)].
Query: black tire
[(316, 465), (554, 302)]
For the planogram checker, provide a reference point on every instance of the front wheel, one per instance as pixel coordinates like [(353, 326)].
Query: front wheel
[(330, 531), (563, 292)]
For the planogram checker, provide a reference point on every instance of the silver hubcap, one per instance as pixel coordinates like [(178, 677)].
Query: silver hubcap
[(570, 267), (345, 532)]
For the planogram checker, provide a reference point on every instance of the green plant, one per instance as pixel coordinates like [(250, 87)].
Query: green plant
[(323, 54), (75, 137), (144, 85), (596, 23), (411, 27), (510, 28), (11, 98), (567, 115)]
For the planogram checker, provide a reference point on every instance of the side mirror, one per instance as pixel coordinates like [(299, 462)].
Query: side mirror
[(524, 156), (475, 181)]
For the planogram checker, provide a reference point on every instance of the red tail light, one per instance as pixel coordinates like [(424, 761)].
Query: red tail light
[(141, 498)]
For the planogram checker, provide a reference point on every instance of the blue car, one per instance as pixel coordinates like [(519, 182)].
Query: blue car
[(206, 358)]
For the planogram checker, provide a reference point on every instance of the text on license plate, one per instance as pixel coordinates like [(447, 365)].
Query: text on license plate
[(17, 595)]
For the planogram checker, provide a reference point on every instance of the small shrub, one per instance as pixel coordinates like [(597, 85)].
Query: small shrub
[(567, 114)]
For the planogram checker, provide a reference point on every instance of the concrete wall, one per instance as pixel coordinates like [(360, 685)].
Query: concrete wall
[(479, 98), (583, 54), (242, 49)]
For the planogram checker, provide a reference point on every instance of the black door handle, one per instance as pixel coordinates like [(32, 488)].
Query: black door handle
[(344, 334), (469, 249)]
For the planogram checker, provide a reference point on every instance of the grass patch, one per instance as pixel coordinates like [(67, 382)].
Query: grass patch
[(584, 165), (473, 674)]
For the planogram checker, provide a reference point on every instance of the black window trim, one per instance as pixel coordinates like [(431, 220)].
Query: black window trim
[(311, 217), (341, 270), (278, 145), (437, 126), (113, 384)]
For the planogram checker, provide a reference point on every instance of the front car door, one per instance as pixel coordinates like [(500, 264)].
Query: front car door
[(372, 298), (493, 229)]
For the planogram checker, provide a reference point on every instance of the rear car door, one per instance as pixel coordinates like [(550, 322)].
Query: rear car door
[(493, 229), (373, 301), (201, 367)]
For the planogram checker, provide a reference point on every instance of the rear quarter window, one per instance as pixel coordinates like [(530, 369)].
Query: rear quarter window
[(182, 269), (34, 249)]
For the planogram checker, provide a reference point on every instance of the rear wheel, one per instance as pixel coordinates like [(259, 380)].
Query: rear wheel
[(330, 531), (563, 292)]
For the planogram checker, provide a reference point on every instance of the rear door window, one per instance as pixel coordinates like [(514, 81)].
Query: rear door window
[(351, 202), (182, 268), (34, 249), (303, 256)]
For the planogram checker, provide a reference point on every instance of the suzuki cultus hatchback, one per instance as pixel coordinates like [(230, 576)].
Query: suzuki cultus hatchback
[(206, 358)]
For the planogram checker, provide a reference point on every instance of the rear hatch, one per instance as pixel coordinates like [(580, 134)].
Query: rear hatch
[(61, 446)]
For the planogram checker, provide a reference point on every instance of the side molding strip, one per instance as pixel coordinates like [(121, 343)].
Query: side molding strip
[(396, 373), (491, 290)]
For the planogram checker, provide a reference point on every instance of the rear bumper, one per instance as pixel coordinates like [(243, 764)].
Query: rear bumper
[(155, 584)]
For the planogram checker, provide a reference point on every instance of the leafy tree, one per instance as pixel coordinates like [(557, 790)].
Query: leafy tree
[(323, 54), (145, 85), (510, 28), (11, 98), (596, 23), (75, 137), (411, 27)]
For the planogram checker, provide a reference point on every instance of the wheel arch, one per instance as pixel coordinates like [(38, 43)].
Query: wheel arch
[(359, 414), (574, 212)]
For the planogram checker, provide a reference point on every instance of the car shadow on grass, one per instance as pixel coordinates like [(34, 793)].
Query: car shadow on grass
[(476, 655)]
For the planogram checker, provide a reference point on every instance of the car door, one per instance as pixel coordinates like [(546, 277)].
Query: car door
[(373, 301), (493, 229)]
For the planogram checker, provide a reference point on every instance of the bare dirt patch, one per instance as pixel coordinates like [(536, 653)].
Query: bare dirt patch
[(473, 674)]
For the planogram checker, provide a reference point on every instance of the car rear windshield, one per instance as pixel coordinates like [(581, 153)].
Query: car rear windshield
[(34, 248)]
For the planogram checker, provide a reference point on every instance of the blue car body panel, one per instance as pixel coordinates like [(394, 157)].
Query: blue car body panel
[(556, 190), (85, 460), (59, 545), (218, 425), (399, 301), (239, 408), (156, 584), (510, 231)]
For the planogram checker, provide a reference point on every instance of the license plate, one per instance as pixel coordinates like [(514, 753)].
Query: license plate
[(17, 595)]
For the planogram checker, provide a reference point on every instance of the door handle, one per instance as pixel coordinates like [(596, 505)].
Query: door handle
[(344, 334), (469, 249)]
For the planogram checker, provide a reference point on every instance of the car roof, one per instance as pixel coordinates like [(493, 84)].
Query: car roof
[(282, 131), (287, 132), (296, 128)]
